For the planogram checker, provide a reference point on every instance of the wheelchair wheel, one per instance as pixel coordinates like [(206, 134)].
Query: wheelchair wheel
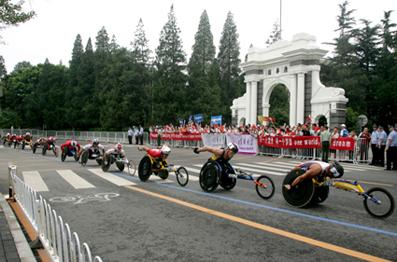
[(182, 176), (264, 186), (163, 174), (131, 168), (145, 168), (63, 155), (301, 194), (227, 183), (76, 156), (84, 158), (105, 163), (381, 203), (209, 177), (120, 165), (320, 194), (34, 148)]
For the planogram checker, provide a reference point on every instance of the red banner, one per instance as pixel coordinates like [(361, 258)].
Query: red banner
[(342, 143), (290, 141), (176, 136)]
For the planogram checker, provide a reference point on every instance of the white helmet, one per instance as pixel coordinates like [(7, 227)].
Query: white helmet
[(27, 134), (165, 150), (73, 143)]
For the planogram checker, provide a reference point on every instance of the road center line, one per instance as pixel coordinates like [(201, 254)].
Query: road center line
[(306, 240)]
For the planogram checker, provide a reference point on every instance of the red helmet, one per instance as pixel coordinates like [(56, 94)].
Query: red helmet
[(119, 146), (51, 139)]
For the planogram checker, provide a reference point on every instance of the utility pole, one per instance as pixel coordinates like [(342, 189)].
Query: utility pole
[(280, 19)]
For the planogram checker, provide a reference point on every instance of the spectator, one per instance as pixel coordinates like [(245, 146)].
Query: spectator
[(344, 132), (374, 146), (325, 137), (364, 140), (354, 136), (382, 145), (391, 149), (136, 134), (130, 134), (334, 135), (140, 134)]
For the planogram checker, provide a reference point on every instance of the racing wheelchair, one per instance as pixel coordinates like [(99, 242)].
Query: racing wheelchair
[(151, 164), (214, 173), (378, 202)]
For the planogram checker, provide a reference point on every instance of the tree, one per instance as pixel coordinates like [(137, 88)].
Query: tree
[(202, 88), (102, 41), (275, 35), (229, 66), (12, 14), (170, 85), (140, 49)]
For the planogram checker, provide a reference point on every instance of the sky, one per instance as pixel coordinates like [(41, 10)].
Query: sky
[(52, 32)]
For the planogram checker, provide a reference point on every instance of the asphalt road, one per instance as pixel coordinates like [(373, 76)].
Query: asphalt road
[(128, 220)]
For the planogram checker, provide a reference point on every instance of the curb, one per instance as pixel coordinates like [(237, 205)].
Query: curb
[(24, 251)]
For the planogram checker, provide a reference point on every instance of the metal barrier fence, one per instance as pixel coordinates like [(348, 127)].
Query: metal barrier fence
[(102, 136), (360, 154), (55, 235)]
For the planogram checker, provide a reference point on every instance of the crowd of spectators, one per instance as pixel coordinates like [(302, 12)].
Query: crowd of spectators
[(376, 140)]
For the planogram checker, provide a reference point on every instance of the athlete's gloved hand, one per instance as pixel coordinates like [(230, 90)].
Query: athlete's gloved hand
[(195, 150)]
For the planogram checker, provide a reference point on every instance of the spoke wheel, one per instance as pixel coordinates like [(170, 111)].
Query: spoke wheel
[(264, 186), (182, 176), (382, 205)]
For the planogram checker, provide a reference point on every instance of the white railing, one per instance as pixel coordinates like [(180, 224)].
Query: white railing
[(102, 136), (55, 235)]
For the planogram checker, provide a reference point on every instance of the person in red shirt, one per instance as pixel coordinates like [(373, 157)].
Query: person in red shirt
[(70, 145)]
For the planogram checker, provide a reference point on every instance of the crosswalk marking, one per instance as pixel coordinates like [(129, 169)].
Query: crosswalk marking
[(34, 180), (191, 170), (261, 171), (112, 178), (264, 166), (273, 165), (74, 180), (255, 170), (346, 167)]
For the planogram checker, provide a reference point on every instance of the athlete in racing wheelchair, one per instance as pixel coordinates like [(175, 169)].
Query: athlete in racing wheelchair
[(298, 187), (217, 170), (70, 148), (93, 151)]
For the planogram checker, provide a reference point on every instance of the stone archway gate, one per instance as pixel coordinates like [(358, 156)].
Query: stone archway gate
[(296, 65)]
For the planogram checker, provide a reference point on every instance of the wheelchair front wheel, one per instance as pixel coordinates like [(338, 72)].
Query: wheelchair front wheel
[(182, 176), (264, 186), (379, 202)]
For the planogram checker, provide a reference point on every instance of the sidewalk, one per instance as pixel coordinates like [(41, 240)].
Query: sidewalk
[(13, 244)]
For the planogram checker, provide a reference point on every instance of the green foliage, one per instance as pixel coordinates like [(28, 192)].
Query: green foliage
[(229, 66), (364, 65), (12, 14), (279, 105), (170, 82), (203, 73)]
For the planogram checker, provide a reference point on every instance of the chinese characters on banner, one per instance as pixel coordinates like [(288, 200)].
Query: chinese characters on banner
[(342, 143)]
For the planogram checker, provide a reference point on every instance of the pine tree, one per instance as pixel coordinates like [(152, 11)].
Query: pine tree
[(102, 41), (140, 49), (11, 14), (170, 86), (275, 35), (201, 88), (229, 66)]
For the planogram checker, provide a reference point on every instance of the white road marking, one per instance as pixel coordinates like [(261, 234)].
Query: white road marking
[(34, 180), (118, 181), (74, 180)]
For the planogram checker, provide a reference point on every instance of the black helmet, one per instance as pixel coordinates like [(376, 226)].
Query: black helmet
[(336, 170)]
